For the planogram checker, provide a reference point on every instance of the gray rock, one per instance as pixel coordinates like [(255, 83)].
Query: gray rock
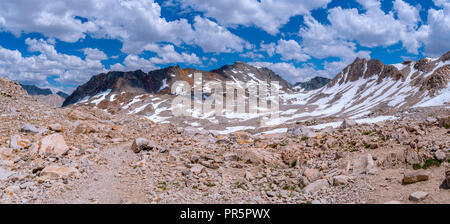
[(26, 185), (440, 155), (249, 176), (230, 156), (302, 131), (416, 176), (56, 127), (312, 174), (192, 131), (5, 174), (365, 165), (140, 144), (18, 142), (418, 196), (29, 128), (340, 180), (270, 194), (316, 186), (431, 119), (13, 189), (347, 123), (303, 182)]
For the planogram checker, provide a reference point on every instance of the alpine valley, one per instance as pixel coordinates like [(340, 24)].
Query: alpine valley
[(375, 133)]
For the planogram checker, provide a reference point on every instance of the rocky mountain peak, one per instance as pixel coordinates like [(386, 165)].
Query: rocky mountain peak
[(138, 82), (365, 69), (314, 83)]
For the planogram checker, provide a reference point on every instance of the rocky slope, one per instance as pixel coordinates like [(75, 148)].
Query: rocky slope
[(371, 87), (52, 100), (82, 154)]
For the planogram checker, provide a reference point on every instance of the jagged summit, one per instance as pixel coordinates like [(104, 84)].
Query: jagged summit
[(34, 90), (138, 82), (314, 83)]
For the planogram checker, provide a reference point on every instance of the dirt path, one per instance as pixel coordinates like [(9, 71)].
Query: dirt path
[(389, 187), (113, 181)]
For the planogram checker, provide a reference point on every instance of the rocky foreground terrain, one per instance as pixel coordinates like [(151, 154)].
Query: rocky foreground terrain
[(82, 154)]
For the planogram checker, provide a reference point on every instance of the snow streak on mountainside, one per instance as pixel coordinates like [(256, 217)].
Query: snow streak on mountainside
[(367, 87)]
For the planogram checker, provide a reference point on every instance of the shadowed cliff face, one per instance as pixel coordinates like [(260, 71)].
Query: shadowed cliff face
[(314, 83), (34, 90)]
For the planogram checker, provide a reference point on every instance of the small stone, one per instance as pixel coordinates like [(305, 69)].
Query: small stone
[(186, 172), (303, 182), (26, 185), (440, 155), (412, 157), (18, 142), (191, 131), (5, 174), (13, 189), (195, 158), (53, 144), (140, 144), (6, 153), (85, 128), (59, 171), (418, 196), (270, 194), (55, 127), (365, 165), (249, 176), (302, 131), (414, 177), (316, 186), (340, 180), (444, 122), (230, 157), (29, 128), (197, 169), (312, 174), (431, 119), (347, 123)]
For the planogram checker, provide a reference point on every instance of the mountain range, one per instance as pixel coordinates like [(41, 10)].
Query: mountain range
[(33, 90), (45, 96), (365, 88), (314, 83)]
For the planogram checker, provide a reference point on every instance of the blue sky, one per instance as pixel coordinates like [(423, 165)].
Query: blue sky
[(61, 44)]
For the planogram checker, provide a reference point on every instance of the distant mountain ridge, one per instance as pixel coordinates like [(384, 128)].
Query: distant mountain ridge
[(33, 90), (315, 83), (137, 82)]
